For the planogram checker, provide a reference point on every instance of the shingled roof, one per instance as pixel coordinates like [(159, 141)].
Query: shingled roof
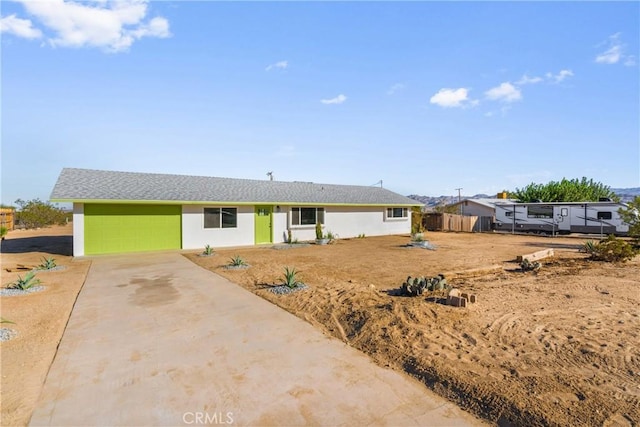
[(78, 185)]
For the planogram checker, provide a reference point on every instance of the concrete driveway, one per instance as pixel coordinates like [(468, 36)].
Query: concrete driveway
[(156, 340)]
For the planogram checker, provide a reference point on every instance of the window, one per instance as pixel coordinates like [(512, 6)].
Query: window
[(540, 211), (220, 217), (397, 212), (307, 216), (604, 215), (508, 213)]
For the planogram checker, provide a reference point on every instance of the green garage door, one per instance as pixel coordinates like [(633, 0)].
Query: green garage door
[(131, 228)]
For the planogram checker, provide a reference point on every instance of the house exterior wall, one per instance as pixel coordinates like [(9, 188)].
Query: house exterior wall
[(350, 221), (195, 236), (78, 229)]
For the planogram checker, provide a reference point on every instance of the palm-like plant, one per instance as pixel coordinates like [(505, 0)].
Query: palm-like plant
[(28, 282), (290, 279)]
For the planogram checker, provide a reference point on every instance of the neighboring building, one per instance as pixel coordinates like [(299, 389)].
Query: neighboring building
[(479, 207), (117, 212)]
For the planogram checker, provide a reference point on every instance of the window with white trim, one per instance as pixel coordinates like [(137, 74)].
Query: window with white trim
[(220, 217), (397, 212), (307, 216)]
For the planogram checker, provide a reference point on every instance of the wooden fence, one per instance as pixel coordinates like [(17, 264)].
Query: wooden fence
[(7, 218), (452, 222)]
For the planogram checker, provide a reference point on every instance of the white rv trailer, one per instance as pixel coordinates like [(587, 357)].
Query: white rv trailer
[(561, 218)]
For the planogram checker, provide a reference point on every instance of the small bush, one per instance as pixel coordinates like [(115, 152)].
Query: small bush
[(28, 282), (47, 264), (3, 232), (527, 265), (318, 231), (290, 277), (237, 261), (610, 249), (208, 250)]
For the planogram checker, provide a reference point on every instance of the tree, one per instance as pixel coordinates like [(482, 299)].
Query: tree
[(631, 215), (574, 190), (36, 213)]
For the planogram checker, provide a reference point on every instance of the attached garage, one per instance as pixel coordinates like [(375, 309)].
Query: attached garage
[(119, 228)]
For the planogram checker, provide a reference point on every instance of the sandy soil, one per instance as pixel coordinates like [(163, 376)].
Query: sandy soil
[(40, 318), (555, 348)]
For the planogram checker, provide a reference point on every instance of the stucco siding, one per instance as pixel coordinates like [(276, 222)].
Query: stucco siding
[(195, 236), (78, 229)]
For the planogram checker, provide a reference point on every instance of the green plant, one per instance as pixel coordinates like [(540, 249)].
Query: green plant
[(361, 236), (28, 282), (289, 236), (237, 261), (3, 232), (589, 247), (417, 237), (631, 215), (36, 213), (47, 264), (611, 249), (331, 236), (208, 250), (574, 190), (527, 265), (318, 231), (290, 277), (417, 286)]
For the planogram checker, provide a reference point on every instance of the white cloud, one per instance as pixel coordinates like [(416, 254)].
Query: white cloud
[(19, 27), (449, 98), (280, 65), (396, 88), (337, 100), (108, 24), (615, 52), (563, 74), (506, 92), (526, 80)]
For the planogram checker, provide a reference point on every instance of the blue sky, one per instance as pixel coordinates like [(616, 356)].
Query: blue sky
[(425, 96)]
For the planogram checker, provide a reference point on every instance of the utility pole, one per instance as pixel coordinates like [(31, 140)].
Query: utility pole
[(459, 201)]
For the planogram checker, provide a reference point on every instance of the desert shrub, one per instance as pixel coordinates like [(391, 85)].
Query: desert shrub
[(418, 285), (28, 282), (208, 250), (611, 249), (3, 232), (36, 213), (631, 215), (290, 277), (47, 264), (237, 261), (527, 265), (318, 231)]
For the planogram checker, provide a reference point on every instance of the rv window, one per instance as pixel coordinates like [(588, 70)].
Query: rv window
[(604, 215), (564, 212), (540, 211), (508, 213)]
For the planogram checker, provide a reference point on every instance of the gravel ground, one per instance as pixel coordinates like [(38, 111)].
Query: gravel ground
[(283, 289), (6, 334), (6, 292), (46, 270), (236, 267), (290, 245)]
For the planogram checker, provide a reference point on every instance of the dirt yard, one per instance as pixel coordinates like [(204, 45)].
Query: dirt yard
[(555, 348), (39, 318)]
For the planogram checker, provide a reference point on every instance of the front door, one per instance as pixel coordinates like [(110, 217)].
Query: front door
[(263, 224)]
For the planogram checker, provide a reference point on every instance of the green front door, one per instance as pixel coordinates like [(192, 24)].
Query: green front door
[(131, 228), (263, 224)]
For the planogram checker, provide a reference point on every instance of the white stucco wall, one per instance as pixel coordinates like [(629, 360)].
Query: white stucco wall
[(78, 229), (371, 221), (353, 221), (195, 236)]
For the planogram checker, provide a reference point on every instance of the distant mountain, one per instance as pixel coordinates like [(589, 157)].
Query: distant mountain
[(625, 194)]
